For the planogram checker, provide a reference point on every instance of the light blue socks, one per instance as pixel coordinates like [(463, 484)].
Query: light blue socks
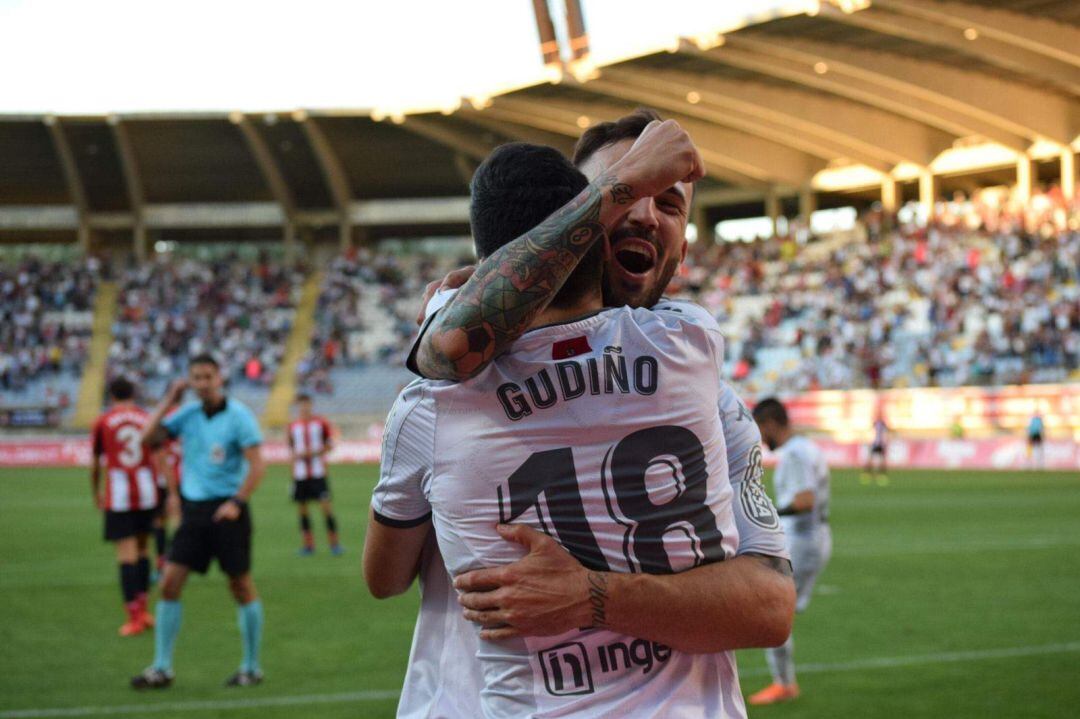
[(167, 626), (250, 619)]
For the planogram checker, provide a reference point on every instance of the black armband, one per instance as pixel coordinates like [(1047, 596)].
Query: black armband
[(238, 502), (787, 511)]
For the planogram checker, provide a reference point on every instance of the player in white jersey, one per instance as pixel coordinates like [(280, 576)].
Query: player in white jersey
[(516, 403), (751, 596), (802, 495)]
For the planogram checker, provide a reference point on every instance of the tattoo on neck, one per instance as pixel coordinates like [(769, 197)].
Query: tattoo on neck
[(598, 597)]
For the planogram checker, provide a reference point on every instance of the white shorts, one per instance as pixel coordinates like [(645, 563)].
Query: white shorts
[(809, 555)]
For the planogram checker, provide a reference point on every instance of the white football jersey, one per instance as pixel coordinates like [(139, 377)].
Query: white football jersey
[(605, 434), (801, 466), (442, 680)]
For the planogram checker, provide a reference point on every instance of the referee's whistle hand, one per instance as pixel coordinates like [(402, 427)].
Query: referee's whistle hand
[(227, 512)]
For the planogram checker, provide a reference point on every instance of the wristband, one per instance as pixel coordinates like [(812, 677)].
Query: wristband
[(238, 502)]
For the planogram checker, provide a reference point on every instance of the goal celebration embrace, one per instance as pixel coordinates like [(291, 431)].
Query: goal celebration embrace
[(540, 360)]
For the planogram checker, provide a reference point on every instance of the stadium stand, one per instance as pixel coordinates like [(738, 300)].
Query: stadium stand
[(982, 296), (45, 326), (172, 309)]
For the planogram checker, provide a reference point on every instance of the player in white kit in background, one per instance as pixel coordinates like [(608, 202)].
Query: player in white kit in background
[(801, 480), (553, 486)]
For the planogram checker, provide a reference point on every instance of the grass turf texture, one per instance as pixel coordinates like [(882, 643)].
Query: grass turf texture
[(937, 562)]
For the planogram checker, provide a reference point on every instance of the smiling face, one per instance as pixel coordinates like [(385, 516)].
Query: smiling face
[(649, 244)]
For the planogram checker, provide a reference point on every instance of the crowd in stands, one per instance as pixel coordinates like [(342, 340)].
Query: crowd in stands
[(988, 292), (45, 322), (366, 312), (172, 309), (981, 295)]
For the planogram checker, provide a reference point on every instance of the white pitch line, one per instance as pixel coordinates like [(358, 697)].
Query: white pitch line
[(208, 705), (375, 695), (918, 659)]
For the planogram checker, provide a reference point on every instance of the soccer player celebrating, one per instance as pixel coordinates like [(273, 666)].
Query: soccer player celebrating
[(802, 498), (222, 466), (488, 426), (129, 498), (310, 441)]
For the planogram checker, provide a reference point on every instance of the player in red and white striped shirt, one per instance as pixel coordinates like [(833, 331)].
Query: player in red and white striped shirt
[(128, 496), (310, 441)]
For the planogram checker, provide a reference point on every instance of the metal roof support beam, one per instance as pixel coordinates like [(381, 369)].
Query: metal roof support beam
[(928, 187), (1038, 35), (1068, 173), (890, 195), (749, 156), (906, 21), (1008, 106), (705, 231), (857, 88), (72, 180), (1025, 178), (334, 174), (460, 142), (773, 209), (708, 109), (842, 128), (133, 180), (807, 203), (274, 178)]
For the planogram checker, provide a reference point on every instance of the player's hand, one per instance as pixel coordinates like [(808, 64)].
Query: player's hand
[(452, 281), (227, 511), (661, 156), (544, 593), (176, 391)]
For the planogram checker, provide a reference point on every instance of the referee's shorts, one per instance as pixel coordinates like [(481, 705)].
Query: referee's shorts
[(200, 539)]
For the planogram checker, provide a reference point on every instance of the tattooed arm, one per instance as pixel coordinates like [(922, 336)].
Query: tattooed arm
[(515, 284)]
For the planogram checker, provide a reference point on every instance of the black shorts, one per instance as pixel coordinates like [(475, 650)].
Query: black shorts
[(199, 539), (159, 508), (1035, 439), (121, 525), (315, 488), (877, 449)]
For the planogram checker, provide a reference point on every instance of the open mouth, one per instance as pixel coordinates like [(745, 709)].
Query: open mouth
[(635, 256)]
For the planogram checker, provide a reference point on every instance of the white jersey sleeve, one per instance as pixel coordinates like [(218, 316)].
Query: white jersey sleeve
[(801, 467), (408, 450), (755, 516), (436, 303)]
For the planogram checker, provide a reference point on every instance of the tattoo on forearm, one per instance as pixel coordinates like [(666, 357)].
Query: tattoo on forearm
[(515, 284), (598, 597), (777, 564)]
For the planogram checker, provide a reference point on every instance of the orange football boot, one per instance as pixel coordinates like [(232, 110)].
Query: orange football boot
[(774, 694), (132, 627)]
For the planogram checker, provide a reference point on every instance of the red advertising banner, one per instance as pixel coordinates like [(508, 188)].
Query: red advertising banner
[(1002, 453)]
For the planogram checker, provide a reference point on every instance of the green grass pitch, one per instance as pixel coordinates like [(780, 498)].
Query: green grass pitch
[(949, 595)]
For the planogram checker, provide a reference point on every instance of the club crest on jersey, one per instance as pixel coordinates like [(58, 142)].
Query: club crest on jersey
[(756, 504)]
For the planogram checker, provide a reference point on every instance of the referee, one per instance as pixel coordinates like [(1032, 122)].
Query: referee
[(222, 466)]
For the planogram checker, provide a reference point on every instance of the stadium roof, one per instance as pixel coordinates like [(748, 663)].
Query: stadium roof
[(841, 96)]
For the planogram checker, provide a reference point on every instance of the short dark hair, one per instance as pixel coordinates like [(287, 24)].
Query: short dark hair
[(600, 135), (771, 408), (204, 358), (515, 189), (303, 397), (121, 389)]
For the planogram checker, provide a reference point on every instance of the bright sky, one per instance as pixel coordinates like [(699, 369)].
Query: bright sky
[(101, 56)]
